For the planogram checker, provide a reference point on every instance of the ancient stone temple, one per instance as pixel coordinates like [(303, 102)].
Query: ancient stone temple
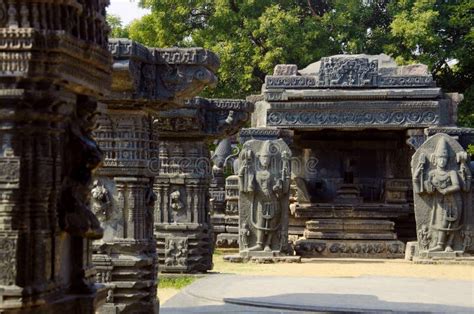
[(182, 216), (144, 83), (54, 66), (443, 199), (356, 121)]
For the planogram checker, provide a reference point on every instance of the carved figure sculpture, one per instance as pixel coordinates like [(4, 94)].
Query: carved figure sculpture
[(177, 205), (101, 201), (264, 182), (244, 235), (440, 183)]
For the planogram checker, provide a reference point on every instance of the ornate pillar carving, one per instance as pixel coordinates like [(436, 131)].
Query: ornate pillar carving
[(51, 77)]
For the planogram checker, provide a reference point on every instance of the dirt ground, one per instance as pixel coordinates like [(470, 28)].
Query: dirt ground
[(348, 268), (338, 268)]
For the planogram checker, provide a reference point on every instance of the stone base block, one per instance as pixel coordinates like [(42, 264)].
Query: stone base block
[(465, 259), (411, 250), (184, 248), (129, 279), (144, 308), (262, 259), (13, 300), (350, 248), (353, 211), (227, 240)]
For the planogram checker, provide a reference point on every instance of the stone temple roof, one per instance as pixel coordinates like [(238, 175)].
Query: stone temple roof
[(350, 71)]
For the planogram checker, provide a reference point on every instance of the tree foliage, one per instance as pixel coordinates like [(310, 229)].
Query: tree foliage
[(252, 36), (117, 29)]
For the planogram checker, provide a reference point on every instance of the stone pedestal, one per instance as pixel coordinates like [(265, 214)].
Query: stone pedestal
[(350, 230), (51, 75), (182, 216), (349, 238)]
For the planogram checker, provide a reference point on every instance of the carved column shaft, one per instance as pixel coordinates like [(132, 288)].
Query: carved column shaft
[(123, 199)]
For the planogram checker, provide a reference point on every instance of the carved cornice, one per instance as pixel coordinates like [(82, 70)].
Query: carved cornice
[(52, 57), (160, 75), (453, 131), (274, 95), (264, 134), (354, 114), (201, 117)]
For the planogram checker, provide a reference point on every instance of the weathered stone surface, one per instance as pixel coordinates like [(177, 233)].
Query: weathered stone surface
[(52, 71), (264, 183), (442, 193)]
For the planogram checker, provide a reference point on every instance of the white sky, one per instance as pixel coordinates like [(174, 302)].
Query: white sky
[(128, 10)]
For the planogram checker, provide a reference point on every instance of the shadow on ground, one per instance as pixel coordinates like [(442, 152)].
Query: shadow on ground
[(308, 303), (342, 303)]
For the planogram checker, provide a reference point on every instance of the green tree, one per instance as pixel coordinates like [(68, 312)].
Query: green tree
[(438, 32), (117, 29), (252, 36)]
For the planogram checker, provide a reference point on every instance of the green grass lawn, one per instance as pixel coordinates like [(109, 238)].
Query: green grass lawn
[(176, 282)]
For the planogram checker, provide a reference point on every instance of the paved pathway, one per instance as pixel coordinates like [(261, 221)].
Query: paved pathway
[(272, 294)]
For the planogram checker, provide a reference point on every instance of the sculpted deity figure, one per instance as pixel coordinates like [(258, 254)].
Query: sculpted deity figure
[(267, 180), (101, 201), (442, 186), (177, 205)]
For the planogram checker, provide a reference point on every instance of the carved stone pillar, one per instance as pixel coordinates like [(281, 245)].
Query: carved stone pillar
[(50, 78), (183, 228), (144, 82)]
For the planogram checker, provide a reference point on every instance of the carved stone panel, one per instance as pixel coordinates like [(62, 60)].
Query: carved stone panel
[(348, 72), (442, 191), (264, 183), (176, 252)]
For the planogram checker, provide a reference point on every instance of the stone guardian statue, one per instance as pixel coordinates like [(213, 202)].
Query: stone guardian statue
[(264, 183), (442, 186)]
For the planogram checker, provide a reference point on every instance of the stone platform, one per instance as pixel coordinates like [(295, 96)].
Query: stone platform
[(346, 237), (263, 259), (264, 294)]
